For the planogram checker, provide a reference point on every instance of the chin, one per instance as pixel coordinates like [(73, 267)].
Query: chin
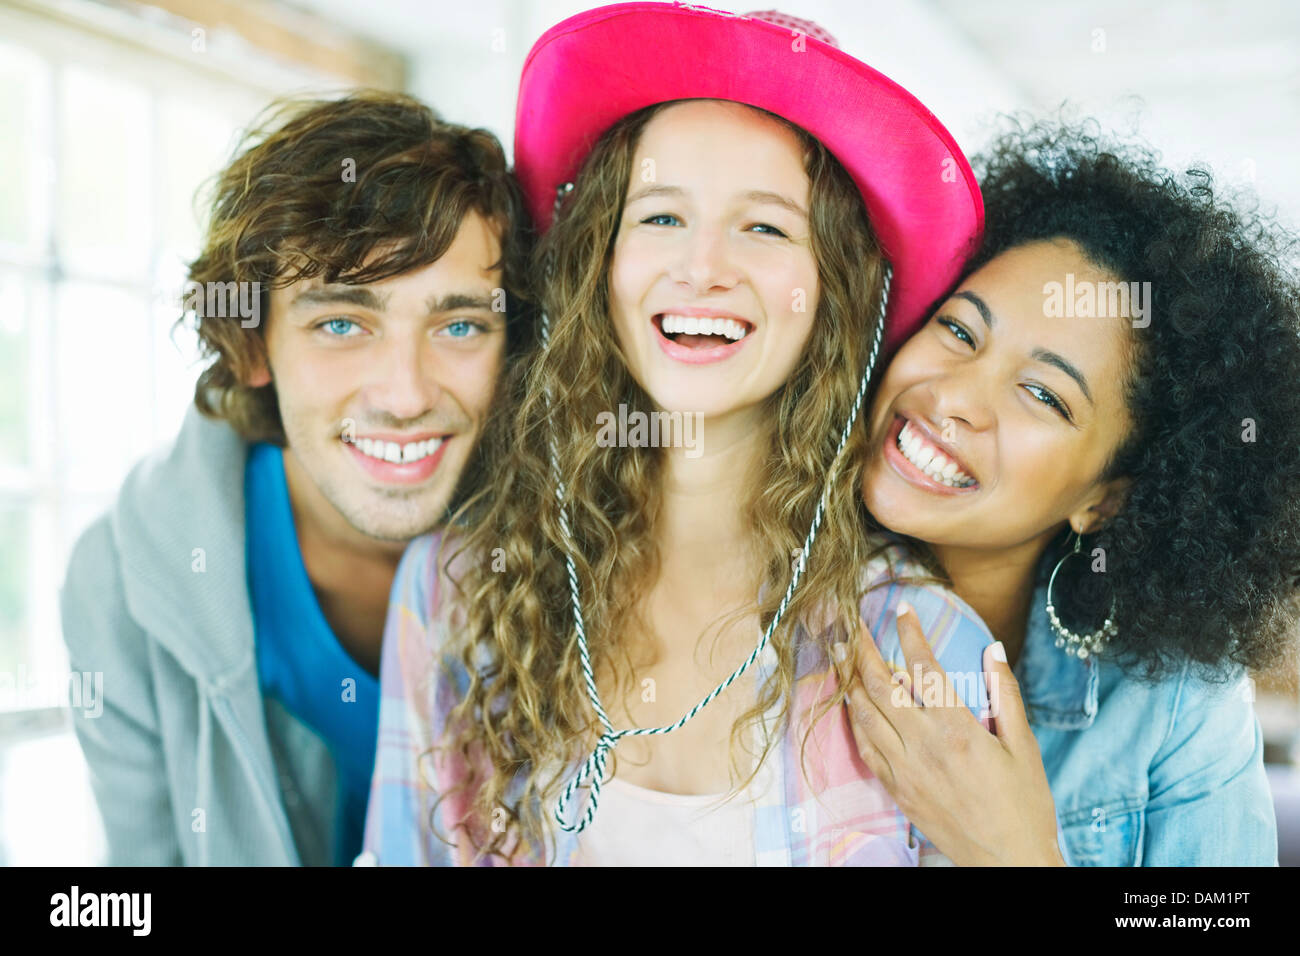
[(690, 398), (885, 507), (911, 523), (386, 523), (889, 521), (389, 513)]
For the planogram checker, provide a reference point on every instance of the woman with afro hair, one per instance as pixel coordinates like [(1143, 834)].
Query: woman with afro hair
[(1095, 442)]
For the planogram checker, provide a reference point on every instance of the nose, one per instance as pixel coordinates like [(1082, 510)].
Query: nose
[(962, 394), (404, 379), (705, 261)]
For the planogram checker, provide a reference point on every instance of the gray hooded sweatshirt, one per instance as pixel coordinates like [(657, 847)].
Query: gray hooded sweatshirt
[(188, 762)]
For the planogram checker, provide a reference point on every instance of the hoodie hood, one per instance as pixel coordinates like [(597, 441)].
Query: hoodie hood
[(179, 528)]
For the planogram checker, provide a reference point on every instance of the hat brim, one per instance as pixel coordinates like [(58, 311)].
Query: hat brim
[(587, 72)]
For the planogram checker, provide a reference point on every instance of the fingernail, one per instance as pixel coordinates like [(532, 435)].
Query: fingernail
[(904, 608), (998, 652), (840, 650)]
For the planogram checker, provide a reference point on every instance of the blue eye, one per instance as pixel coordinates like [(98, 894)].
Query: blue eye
[(463, 328), (650, 220), (775, 231), (958, 330), (338, 328)]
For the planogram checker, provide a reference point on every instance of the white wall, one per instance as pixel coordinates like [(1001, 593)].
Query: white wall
[(1199, 78)]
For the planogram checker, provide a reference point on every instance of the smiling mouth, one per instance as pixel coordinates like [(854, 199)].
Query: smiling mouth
[(701, 332), (400, 453), (930, 460)]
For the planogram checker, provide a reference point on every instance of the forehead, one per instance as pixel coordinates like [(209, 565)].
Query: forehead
[(713, 136), (476, 247), (467, 261)]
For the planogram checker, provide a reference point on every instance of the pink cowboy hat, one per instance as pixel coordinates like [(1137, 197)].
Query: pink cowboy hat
[(589, 71)]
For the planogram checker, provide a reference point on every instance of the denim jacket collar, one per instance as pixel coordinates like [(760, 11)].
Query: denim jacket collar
[(1060, 691)]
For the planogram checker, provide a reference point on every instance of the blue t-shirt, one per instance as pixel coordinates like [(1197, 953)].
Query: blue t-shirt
[(299, 660)]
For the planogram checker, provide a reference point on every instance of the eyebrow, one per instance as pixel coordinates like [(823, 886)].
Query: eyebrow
[(1039, 355), (454, 301), (752, 195), (765, 196), (339, 293), (979, 304), (646, 192), (1051, 358), (359, 295)]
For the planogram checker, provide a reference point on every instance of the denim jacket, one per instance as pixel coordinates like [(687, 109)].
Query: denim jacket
[(1166, 774)]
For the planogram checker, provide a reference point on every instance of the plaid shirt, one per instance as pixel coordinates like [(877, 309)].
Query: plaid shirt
[(835, 812)]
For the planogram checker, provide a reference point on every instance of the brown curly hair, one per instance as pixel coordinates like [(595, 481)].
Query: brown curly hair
[(283, 210)]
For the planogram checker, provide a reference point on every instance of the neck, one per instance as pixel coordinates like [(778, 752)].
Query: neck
[(330, 534), (702, 525), (999, 585), (351, 573)]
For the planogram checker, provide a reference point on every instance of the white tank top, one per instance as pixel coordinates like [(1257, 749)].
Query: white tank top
[(639, 827)]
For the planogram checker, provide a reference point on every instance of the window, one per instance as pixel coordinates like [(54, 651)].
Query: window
[(108, 126), (105, 143)]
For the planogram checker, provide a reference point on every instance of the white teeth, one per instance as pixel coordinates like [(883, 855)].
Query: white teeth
[(703, 325), (397, 454), (414, 451), (930, 460)]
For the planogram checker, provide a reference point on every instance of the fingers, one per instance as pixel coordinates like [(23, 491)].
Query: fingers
[(873, 699), (878, 677), (870, 733), (916, 649), (1006, 704), (930, 674), (875, 709)]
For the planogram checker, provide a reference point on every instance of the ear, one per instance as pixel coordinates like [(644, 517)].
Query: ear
[(259, 365), (1101, 506), (259, 374)]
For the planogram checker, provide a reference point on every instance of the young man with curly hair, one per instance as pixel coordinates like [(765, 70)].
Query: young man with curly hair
[(234, 596)]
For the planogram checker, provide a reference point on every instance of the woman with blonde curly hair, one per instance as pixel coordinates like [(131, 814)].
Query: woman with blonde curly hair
[(718, 262)]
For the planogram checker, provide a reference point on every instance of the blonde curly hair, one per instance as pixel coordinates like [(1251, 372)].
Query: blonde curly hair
[(525, 711)]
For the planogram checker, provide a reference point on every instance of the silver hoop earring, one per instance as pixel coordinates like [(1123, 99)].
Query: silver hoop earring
[(1077, 645)]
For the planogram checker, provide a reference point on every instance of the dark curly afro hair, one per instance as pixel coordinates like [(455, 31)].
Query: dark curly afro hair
[(1203, 561)]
